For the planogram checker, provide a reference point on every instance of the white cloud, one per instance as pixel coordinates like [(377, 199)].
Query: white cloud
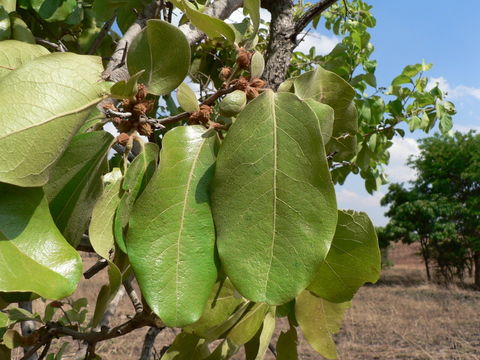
[(465, 128), (453, 92), (237, 16), (323, 44), (400, 151)]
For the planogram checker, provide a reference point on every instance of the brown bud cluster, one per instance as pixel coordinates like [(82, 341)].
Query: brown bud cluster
[(202, 116), (244, 58), (225, 73), (123, 139), (139, 107), (252, 87)]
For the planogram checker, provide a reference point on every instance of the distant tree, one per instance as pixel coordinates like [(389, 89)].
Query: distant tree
[(441, 209)]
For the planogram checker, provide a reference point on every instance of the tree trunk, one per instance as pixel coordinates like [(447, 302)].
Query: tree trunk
[(281, 42), (476, 259), (426, 258)]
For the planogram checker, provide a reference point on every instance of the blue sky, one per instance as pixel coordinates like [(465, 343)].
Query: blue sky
[(408, 32)]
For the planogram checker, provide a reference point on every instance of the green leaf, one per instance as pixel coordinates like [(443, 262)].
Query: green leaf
[(220, 306), (94, 119), (211, 26), (446, 123), (186, 98), (126, 89), (171, 232), (287, 345), (137, 176), (107, 293), (328, 88), (252, 7), (319, 320), (5, 29), (9, 5), (14, 53), (187, 347), (33, 254), (415, 123), (75, 183), (4, 322), (44, 102), (265, 335), (54, 10), (248, 325), (163, 52), (412, 70), (273, 197), (353, 259), (20, 30), (325, 118), (101, 225), (401, 79)]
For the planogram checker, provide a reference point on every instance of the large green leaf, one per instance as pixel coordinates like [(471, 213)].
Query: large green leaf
[(220, 306), (329, 88), (43, 103), (252, 7), (164, 53), (14, 53), (273, 200), (319, 320), (33, 254), (353, 259), (137, 176), (75, 183), (248, 325), (171, 235)]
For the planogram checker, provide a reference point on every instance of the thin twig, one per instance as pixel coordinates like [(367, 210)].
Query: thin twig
[(148, 343), (45, 350), (95, 269), (209, 101), (137, 303), (308, 16), (101, 35), (53, 45)]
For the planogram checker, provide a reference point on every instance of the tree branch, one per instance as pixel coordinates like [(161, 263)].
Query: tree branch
[(101, 35), (308, 16), (116, 69), (149, 342)]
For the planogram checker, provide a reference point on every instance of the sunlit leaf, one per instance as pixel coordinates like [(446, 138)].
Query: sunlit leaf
[(187, 347), (163, 52), (33, 254), (325, 117), (273, 199), (14, 53), (186, 98), (319, 320), (43, 103), (328, 88), (171, 236)]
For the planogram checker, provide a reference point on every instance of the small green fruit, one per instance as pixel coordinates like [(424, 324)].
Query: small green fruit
[(233, 103)]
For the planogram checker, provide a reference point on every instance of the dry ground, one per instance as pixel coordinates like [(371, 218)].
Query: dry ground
[(401, 317)]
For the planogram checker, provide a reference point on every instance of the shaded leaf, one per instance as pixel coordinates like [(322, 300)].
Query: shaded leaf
[(319, 320), (14, 54), (33, 254), (163, 52), (252, 7), (273, 197), (20, 30), (44, 102), (220, 306), (54, 10), (248, 325), (126, 89), (171, 235), (329, 88), (75, 183), (137, 176), (264, 336), (187, 347), (325, 118), (287, 345), (5, 29), (257, 65)]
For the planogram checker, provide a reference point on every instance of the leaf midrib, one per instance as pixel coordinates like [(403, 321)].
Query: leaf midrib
[(182, 222)]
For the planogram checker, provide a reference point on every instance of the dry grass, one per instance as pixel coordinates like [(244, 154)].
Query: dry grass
[(402, 317)]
